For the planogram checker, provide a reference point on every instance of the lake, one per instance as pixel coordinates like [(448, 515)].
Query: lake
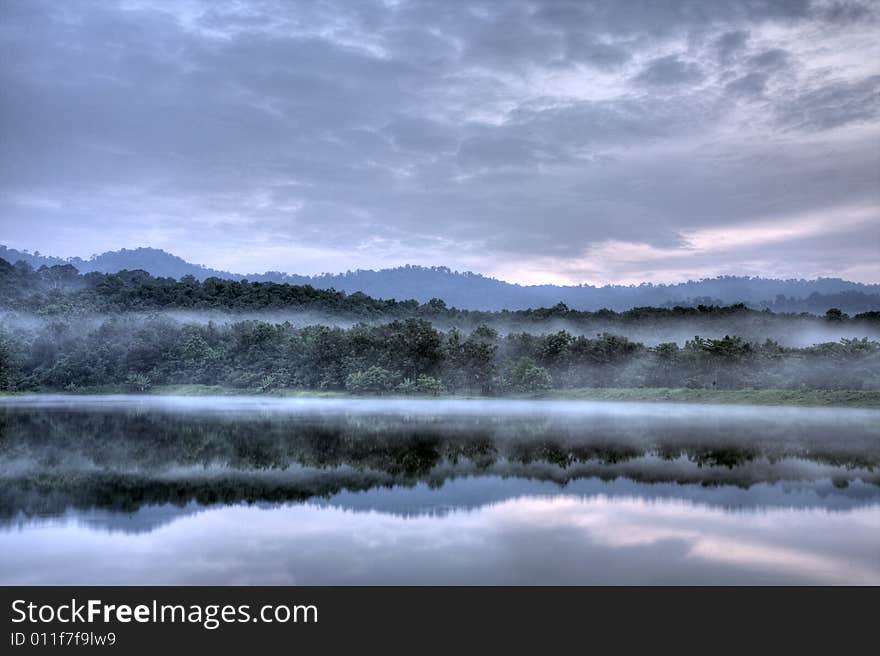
[(254, 490)]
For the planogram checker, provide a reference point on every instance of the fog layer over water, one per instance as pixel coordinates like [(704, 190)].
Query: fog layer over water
[(176, 490)]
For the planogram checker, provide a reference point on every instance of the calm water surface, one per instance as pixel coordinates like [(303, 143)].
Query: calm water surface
[(172, 490)]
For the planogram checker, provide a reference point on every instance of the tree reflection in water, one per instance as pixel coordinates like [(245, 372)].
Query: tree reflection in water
[(123, 456)]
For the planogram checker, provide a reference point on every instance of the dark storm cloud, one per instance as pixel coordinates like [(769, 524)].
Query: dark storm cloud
[(317, 136)]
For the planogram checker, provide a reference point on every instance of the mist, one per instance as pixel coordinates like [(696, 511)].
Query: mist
[(532, 292), (796, 331), (96, 450), (431, 490)]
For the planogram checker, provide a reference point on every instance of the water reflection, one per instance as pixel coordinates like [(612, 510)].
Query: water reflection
[(555, 540), (213, 491)]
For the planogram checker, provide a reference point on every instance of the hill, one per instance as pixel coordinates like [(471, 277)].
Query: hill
[(472, 291)]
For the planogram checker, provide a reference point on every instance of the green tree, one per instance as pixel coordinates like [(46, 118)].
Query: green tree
[(375, 380), (138, 382), (526, 376), (429, 385)]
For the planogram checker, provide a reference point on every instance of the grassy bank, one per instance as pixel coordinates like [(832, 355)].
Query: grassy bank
[(808, 397), (186, 390)]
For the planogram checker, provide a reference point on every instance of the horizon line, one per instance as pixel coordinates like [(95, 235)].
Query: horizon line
[(245, 276)]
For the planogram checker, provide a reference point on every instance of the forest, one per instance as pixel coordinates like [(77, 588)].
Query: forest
[(62, 290), (472, 291), (407, 356), (111, 330)]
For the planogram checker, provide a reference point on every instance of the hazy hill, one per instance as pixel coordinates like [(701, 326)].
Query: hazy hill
[(473, 291)]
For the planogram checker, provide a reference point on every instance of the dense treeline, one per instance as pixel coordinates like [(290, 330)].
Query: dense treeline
[(61, 291), (407, 356), (392, 346), (476, 292)]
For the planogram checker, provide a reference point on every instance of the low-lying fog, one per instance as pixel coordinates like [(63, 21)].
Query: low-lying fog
[(129, 451), (795, 332), (245, 407), (384, 491)]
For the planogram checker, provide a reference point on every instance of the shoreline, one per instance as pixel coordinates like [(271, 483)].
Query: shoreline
[(765, 397)]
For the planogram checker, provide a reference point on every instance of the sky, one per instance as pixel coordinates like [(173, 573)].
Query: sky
[(538, 142)]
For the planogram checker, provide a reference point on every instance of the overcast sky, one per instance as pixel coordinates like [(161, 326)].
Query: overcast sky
[(568, 142)]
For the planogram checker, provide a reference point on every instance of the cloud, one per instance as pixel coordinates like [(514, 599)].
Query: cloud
[(832, 105), (585, 48), (730, 44), (316, 136), (751, 85), (769, 59), (669, 70)]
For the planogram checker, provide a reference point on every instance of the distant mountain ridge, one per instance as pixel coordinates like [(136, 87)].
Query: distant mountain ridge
[(474, 291)]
